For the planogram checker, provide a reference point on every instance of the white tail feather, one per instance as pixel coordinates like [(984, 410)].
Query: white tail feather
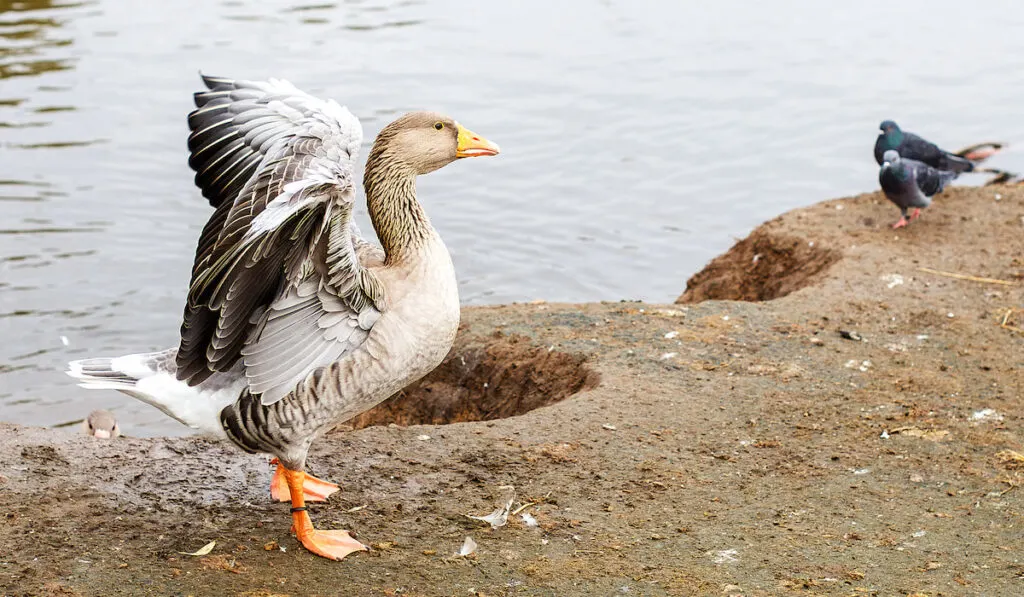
[(150, 378)]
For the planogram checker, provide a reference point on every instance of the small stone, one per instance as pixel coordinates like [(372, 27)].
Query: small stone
[(851, 335)]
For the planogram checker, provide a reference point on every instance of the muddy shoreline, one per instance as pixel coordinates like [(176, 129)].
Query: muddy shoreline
[(735, 443)]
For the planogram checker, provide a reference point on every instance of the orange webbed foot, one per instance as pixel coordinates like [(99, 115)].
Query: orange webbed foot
[(333, 545), (313, 489)]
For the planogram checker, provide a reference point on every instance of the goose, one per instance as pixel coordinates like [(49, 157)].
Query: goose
[(293, 322)]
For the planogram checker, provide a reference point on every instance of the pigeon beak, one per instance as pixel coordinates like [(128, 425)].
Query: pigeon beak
[(886, 164), (101, 433)]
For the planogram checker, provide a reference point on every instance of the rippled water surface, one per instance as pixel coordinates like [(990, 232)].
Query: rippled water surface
[(639, 139)]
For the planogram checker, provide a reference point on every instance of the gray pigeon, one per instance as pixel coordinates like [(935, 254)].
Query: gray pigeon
[(101, 424), (910, 183), (912, 147)]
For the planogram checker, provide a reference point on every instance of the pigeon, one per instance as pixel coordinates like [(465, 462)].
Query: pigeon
[(101, 424), (910, 183), (912, 147)]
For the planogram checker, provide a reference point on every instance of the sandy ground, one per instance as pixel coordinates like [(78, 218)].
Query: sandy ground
[(720, 447)]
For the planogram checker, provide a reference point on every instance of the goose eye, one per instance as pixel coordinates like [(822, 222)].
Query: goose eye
[(438, 125)]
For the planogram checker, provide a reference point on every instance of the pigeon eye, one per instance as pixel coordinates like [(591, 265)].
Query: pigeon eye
[(438, 125)]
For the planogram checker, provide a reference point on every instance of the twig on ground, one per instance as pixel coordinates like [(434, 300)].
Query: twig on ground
[(966, 277), (1006, 318)]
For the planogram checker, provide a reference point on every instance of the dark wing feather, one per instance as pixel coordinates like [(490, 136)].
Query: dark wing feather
[(954, 163), (914, 147), (931, 180), (922, 150)]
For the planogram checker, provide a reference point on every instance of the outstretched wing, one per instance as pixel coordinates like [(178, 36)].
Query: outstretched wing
[(277, 164)]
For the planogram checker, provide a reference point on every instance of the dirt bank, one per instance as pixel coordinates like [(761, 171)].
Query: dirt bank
[(707, 448)]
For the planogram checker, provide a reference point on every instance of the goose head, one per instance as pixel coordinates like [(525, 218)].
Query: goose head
[(426, 141)]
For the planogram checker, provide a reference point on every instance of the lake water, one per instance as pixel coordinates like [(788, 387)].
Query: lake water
[(639, 140)]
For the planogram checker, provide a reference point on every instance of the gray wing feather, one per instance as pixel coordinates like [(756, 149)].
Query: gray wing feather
[(277, 164), (314, 324), (294, 344), (930, 180)]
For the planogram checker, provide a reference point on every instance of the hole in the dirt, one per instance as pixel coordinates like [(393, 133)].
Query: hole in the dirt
[(761, 267), (502, 377)]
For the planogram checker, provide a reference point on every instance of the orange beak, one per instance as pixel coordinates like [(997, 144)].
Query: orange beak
[(472, 145)]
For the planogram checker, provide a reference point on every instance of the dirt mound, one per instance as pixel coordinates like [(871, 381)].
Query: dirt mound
[(764, 266), (730, 448), (505, 377)]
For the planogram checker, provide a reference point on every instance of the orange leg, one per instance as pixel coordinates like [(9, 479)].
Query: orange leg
[(315, 490), (333, 545), (916, 213)]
